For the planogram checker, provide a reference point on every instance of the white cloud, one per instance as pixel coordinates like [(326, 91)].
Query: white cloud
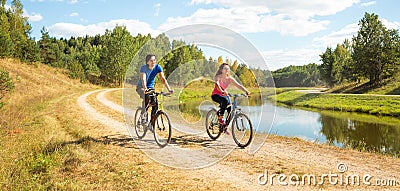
[(249, 20), (310, 8), (282, 58), (288, 17), (368, 4), (238, 19), (157, 7), (289, 7), (32, 17), (337, 37), (67, 30), (73, 1), (74, 14), (390, 25)]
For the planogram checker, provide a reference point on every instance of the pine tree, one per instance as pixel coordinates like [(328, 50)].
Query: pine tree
[(6, 43), (374, 48), (328, 67)]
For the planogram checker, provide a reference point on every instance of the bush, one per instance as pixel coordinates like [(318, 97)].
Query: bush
[(6, 84)]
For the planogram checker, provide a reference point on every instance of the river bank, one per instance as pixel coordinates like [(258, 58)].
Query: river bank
[(381, 105)]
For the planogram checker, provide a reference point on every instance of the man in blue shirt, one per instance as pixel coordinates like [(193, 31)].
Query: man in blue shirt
[(148, 74)]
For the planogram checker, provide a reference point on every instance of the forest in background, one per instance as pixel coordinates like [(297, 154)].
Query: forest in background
[(373, 54)]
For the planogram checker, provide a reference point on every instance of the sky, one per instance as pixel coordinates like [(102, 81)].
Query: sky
[(284, 32)]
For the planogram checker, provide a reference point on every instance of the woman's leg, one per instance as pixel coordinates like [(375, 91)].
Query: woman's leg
[(219, 99), (223, 101)]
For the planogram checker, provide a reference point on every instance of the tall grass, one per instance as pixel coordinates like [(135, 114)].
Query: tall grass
[(30, 138)]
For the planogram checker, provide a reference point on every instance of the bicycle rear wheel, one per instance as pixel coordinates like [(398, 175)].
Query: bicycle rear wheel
[(140, 129), (212, 125), (162, 129), (242, 130)]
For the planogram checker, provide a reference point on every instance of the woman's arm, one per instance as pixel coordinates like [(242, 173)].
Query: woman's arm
[(235, 83)]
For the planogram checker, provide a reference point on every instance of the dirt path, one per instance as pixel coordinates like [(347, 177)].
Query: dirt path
[(291, 159)]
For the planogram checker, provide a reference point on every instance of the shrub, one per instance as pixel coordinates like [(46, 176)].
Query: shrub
[(6, 84)]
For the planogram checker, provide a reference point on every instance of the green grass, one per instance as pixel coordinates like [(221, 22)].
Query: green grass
[(371, 104), (386, 87)]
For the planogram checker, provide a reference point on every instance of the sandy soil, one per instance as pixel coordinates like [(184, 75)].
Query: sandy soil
[(276, 166)]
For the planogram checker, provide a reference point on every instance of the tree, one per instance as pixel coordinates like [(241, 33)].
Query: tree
[(328, 69), (116, 55), (220, 60), (392, 54), (6, 43), (47, 52), (345, 62), (374, 49), (31, 51), (19, 28), (234, 66)]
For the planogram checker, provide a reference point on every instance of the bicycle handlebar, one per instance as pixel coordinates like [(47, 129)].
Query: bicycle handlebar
[(163, 93), (158, 93), (238, 95)]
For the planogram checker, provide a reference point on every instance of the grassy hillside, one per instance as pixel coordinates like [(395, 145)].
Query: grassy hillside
[(47, 143), (387, 87), (34, 85), (33, 129)]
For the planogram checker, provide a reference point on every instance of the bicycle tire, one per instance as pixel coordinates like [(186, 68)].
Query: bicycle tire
[(162, 129), (242, 131), (140, 129), (212, 125)]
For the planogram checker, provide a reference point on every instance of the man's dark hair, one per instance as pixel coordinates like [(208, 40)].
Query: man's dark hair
[(148, 57)]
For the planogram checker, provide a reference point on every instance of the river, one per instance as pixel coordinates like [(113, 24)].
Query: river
[(342, 129)]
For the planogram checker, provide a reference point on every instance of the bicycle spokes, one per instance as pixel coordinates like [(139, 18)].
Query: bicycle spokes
[(140, 128), (242, 130), (212, 125), (162, 129)]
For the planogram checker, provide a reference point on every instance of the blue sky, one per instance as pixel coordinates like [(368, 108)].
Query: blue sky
[(285, 32)]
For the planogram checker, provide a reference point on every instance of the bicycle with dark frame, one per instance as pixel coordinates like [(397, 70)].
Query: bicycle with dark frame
[(242, 128), (159, 123)]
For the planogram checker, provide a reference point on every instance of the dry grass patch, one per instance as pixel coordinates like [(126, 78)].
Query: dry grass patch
[(100, 108), (115, 96)]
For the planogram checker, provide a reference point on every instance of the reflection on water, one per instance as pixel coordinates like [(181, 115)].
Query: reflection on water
[(361, 135), (348, 130)]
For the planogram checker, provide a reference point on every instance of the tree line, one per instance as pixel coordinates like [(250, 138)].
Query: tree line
[(116, 55), (106, 59), (373, 54)]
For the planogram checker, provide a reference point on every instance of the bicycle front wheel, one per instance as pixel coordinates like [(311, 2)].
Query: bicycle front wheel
[(212, 125), (162, 129), (242, 130), (140, 129)]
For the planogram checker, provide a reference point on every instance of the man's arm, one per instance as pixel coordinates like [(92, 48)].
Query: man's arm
[(165, 82), (144, 80)]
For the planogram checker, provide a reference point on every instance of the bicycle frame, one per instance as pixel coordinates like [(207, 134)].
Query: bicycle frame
[(160, 130), (154, 94), (234, 111)]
